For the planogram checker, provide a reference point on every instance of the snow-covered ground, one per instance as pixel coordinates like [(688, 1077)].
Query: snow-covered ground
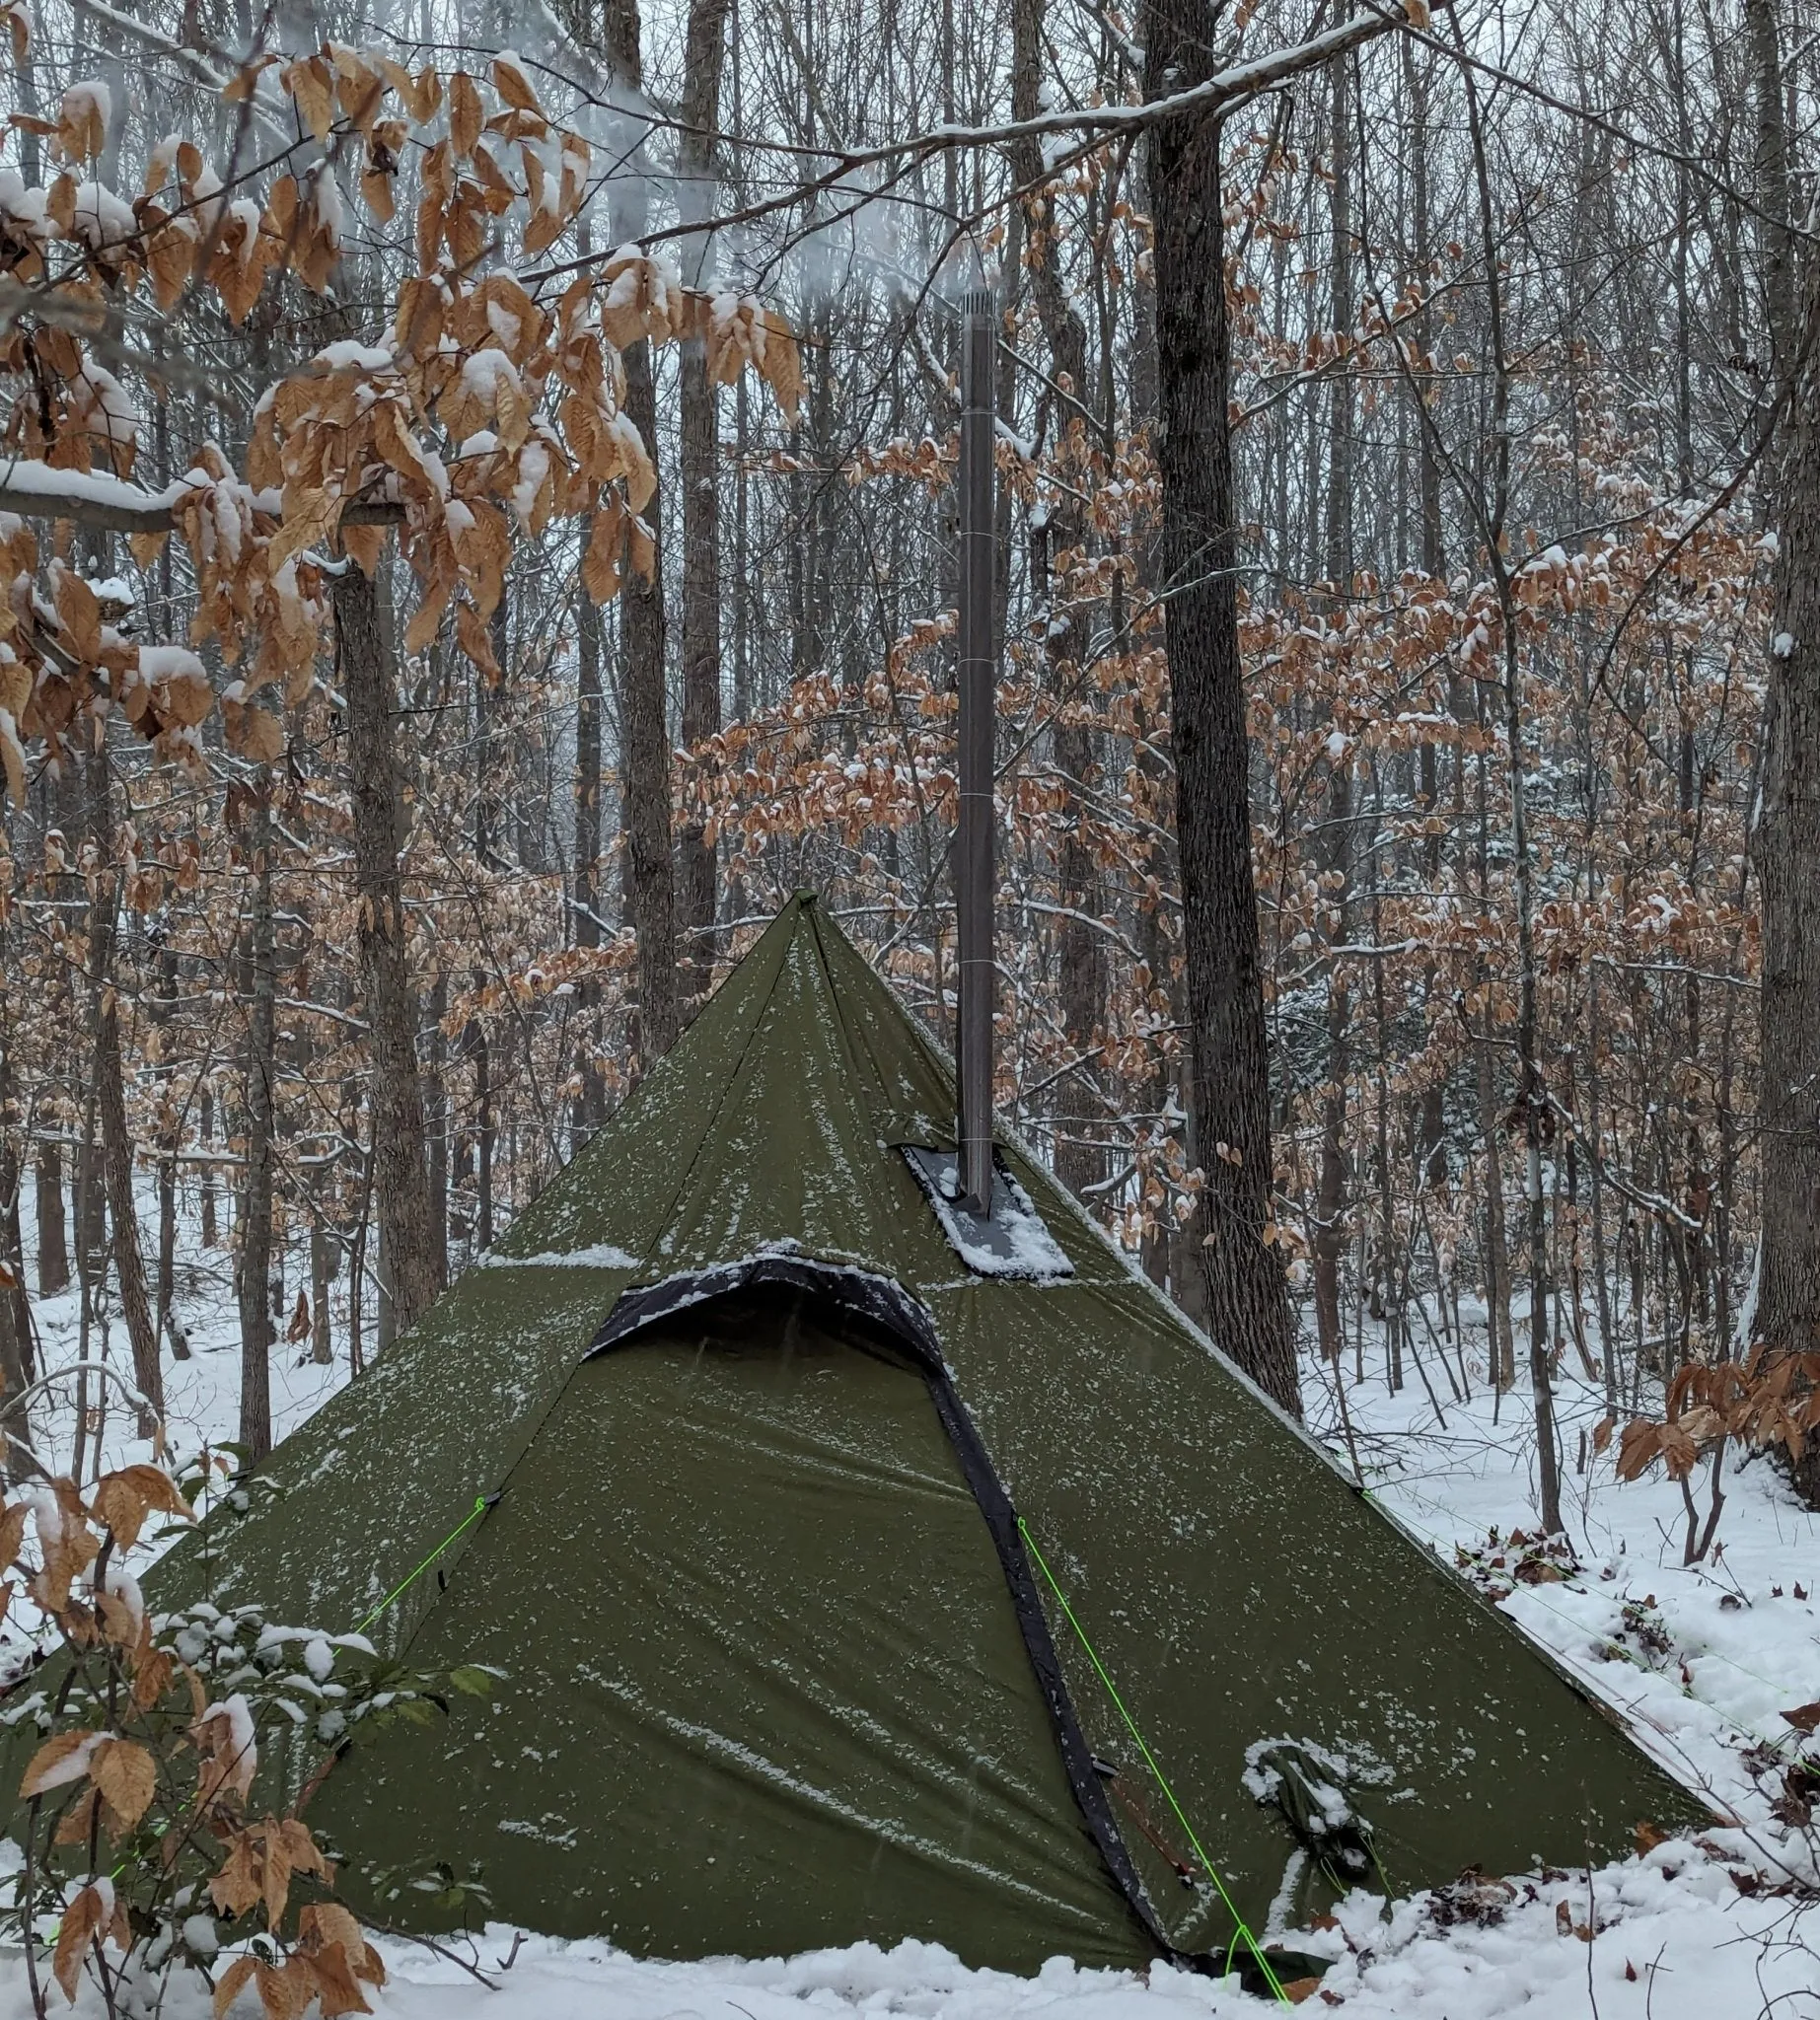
[(1704, 1662)]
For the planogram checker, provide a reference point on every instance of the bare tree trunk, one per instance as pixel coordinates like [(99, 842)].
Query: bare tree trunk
[(484, 1134), (1082, 962), (165, 1281), (645, 738), (256, 1234), (703, 61), (206, 1133), (322, 1282), (1336, 853), (1786, 847), (52, 1233), (591, 1103), (436, 1129), (16, 1358), (1532, 1087), (369, 678), (110, 1101), (128, 1267), (1248, 1306)]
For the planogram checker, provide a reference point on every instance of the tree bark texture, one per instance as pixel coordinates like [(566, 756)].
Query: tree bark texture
[(16, 1358), (52, 1232), (1247, 1311), (256, 1235), (591, 1103), (704, 60), (116, 1155), (401, 1186), (644, 736), (1331, 1230), (1787, 850), (1082, 962)]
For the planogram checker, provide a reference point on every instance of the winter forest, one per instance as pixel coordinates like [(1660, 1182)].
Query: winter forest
[(480, 520)]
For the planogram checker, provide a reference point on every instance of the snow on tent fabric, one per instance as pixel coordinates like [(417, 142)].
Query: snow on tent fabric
[(777, 1672)]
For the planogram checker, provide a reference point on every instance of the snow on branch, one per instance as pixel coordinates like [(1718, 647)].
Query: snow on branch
[(100, 503)]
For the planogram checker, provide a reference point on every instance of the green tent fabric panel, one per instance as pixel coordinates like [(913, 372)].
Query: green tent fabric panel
[(385, 1469), (1238, 1590), (906, 1077), (913, 1087), (622, 1191), (766, 1687), (795, 1156)]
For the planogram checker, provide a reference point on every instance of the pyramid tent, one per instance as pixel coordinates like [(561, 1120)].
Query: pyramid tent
[(836, 1564)]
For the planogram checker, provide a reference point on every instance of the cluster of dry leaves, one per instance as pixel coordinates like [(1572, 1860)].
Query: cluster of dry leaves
[(1770, 1401), (481, 413), (160, 1796)]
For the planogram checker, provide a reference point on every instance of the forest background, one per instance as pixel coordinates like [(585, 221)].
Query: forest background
[(1404, 709)]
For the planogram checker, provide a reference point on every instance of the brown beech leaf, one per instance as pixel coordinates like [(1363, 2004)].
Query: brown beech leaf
[(366, 544), (78, 1819), (63, 1758), (123, 1500), (310, 87), (82, 1922), (600, 561), (128, 1777), (80, 615), (12, 1533), (513, 87), (782, 366), (465, 114), (1805, 1718), (229, 1985)]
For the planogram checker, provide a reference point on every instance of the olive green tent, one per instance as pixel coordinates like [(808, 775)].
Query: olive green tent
[(832, 1532)]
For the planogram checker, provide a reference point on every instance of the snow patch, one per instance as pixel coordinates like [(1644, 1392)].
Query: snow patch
[(601, 1256), (1012, 1242)]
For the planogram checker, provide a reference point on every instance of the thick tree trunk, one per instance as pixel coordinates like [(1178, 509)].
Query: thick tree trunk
[(1432, 1145), (1787, 846), (1787, 842), (650, 896), (256, 1234), (704, 59), (1248, 1309), (400, 1187), (644, 736), (52, 1233)]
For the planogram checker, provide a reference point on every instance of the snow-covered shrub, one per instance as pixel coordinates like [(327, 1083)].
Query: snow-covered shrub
[(151, 1840)]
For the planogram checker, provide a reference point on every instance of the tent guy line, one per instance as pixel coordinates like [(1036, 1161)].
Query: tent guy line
[(1241, 1927)]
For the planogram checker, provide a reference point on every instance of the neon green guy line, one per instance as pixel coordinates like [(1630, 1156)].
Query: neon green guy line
[(1131, 1725), (466, 1522)]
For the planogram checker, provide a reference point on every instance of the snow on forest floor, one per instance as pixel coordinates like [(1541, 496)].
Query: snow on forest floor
[(1703, 1661)]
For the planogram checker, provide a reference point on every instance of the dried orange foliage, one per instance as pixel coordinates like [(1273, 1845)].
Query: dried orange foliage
[(482, 412), (1770, 1401), (167, 1784)]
